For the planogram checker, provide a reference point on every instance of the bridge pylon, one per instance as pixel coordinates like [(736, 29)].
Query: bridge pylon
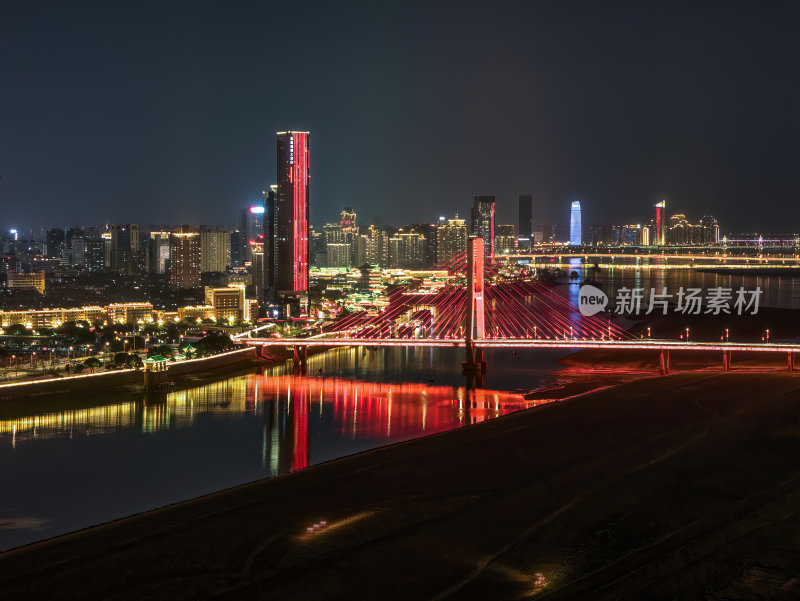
[(475, 317)]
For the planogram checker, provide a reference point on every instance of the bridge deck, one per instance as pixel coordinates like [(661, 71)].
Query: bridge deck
[(654, 345)]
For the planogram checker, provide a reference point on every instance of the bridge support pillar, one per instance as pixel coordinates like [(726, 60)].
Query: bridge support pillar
[(475, 318), (474, 362), (664, 362), (300, 356), (726, 360), (791, 361)]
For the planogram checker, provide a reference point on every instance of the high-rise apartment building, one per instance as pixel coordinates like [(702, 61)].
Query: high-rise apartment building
[(451, 240), (338, 254), (525, 226), (158, 252), (575, 232), (215, 249), (377, 247), (483, 222), (407, 250), (291, 214), (184, 258)]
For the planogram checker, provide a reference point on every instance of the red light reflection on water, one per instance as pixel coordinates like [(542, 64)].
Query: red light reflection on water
[(374, 410)]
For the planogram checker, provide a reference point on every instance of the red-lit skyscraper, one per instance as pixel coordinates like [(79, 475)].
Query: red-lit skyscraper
[(660, 223), (291, 214)]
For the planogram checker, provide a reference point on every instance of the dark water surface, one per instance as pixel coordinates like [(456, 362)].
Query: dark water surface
[(68, 464)]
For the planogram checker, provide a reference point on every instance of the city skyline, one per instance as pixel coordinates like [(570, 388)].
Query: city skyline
[(702, 116)]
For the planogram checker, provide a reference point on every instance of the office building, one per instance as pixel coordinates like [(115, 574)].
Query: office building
[(94, 255), (660, 223), (575, 231), (483, 222), (230, 304), (251, 227), (291, 214)]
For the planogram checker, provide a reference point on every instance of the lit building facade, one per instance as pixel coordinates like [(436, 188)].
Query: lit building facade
[(215, 249), (504, 239), (347, 221), (251, 226), (483, 222), (21, 281), (660, 224), (51, 318), (451, 240), (338, 254), (575, 232), (130, 312), (158, 253), (184, 258), (291, 214), (230, 304)]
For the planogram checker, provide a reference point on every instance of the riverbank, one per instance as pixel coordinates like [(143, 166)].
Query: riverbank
[(103, 382), (682, 486)]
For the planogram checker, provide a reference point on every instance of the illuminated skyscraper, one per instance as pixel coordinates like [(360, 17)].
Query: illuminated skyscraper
[(291, 214), (483, 222), (660, 223), (251, 225), (575, 224), (184, 258)]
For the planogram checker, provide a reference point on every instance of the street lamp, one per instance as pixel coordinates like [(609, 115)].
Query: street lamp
[(687, 334)]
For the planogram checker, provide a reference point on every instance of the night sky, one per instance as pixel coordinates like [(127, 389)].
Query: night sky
[(140, 113)]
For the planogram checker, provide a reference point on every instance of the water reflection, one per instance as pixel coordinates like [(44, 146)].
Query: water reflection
[(290, 406), (132, 452)]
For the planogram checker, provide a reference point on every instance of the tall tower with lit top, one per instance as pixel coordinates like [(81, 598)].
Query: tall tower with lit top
[(291, 214)]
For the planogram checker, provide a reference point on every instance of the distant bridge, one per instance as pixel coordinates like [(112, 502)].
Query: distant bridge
[(663, 347), (494, 314)]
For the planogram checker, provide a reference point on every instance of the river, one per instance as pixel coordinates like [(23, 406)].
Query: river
[(72, 463)]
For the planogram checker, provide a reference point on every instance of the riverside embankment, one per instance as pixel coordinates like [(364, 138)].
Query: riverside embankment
[(683, 486), (110, 380)]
